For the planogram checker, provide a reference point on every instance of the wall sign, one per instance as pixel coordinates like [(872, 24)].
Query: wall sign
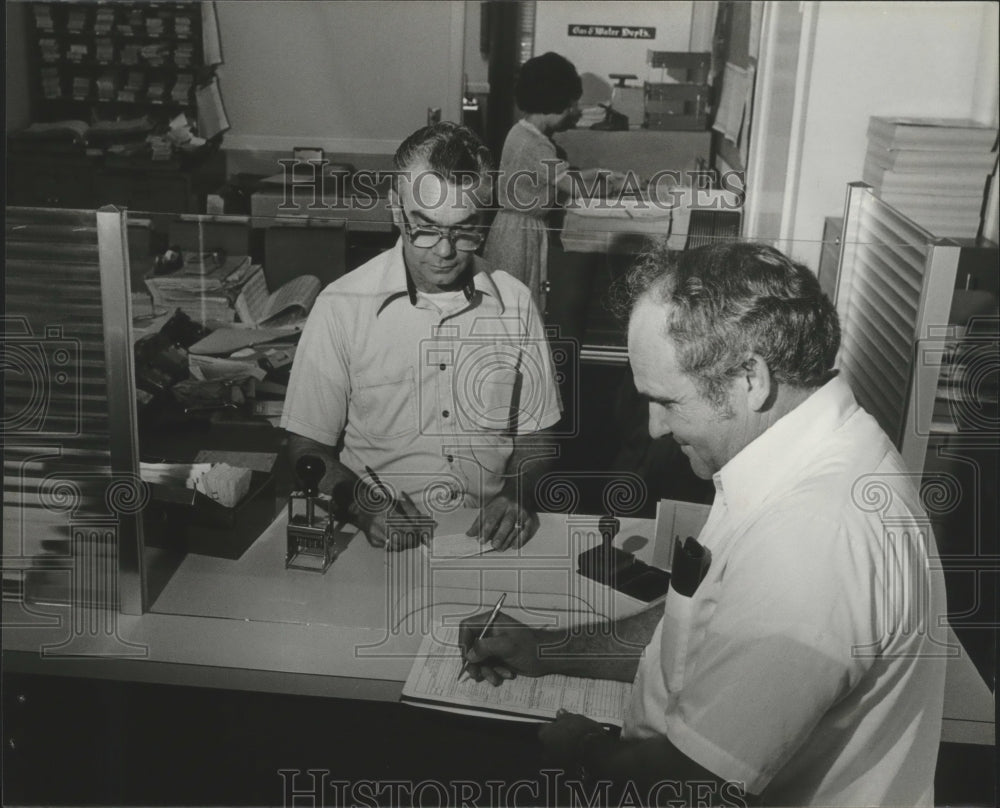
[(614, 31)]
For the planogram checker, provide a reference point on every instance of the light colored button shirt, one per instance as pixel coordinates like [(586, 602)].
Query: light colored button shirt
[(427, 393), (809, 664)]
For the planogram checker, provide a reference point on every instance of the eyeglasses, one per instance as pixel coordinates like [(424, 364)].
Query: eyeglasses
[(464, 238)]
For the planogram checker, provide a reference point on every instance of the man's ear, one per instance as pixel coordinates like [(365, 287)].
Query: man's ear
[(759, 384)]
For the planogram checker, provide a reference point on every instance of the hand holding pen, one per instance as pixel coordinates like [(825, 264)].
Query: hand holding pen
[(403, 511), (482, 634), (496, 647)]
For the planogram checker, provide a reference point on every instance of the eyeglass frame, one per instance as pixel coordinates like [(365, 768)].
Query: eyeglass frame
[(442, 232)]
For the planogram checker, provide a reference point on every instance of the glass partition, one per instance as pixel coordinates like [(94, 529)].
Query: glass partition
[(218, 304), (71, 491), (210, 366), (212, 362)]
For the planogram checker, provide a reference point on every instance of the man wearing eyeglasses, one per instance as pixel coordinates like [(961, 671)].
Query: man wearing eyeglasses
[(422, 373)]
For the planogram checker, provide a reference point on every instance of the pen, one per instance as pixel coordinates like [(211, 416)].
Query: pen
[(394, 503), (371, 473), (489, 624)]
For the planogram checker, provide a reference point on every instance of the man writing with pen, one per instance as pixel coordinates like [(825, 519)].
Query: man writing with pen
[(423, 379), (806, 666)]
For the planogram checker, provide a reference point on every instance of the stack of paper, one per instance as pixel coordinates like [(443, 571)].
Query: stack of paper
[(201, 288), (43, 17), (223, 483), (51, 83), (286, 307), (933, 170), (236, 353), (104, 20), (220, 482)]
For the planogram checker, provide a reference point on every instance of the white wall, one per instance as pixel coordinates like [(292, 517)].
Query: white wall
[(671, 18), (886, 58), (476, 66), (348, 75)]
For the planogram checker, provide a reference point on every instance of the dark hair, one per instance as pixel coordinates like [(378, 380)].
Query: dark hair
[(447, 148), (547, 84), (727, 301)]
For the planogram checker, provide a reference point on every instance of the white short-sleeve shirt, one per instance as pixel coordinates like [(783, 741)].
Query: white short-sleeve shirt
[(809, 664), (426, 391)]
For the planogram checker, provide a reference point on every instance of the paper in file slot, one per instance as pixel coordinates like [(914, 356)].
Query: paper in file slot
[(691, 562)]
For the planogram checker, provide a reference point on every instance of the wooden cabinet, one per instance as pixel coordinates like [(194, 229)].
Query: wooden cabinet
[(49, 181)]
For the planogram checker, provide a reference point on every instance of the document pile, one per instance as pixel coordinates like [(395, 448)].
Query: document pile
[(933, 170), (203, 287), (220, 482), (286, 307)]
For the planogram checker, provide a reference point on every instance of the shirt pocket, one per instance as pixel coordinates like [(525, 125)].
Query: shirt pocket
[(384, 407), (491, 404), (678, 615)]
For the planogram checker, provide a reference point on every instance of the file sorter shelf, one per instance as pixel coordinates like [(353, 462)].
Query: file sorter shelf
[(100, 60)]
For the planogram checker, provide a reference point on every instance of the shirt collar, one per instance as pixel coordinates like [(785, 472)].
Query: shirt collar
[(396, 281), (781, 450)]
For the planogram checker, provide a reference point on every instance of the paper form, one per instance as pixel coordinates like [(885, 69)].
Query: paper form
[(734, 105), (450, 539), (434, 680), (456, 545)]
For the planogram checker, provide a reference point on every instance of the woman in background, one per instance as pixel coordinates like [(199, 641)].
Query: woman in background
[(534, 178)]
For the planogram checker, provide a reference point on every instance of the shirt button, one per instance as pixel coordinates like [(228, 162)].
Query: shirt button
[(451, 458), (445, 413), (442, 366)]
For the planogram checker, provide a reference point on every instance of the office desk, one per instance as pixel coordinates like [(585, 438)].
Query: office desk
[(365, 618), (618, 232), (266, 198), (352, 633), (273, 203)]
